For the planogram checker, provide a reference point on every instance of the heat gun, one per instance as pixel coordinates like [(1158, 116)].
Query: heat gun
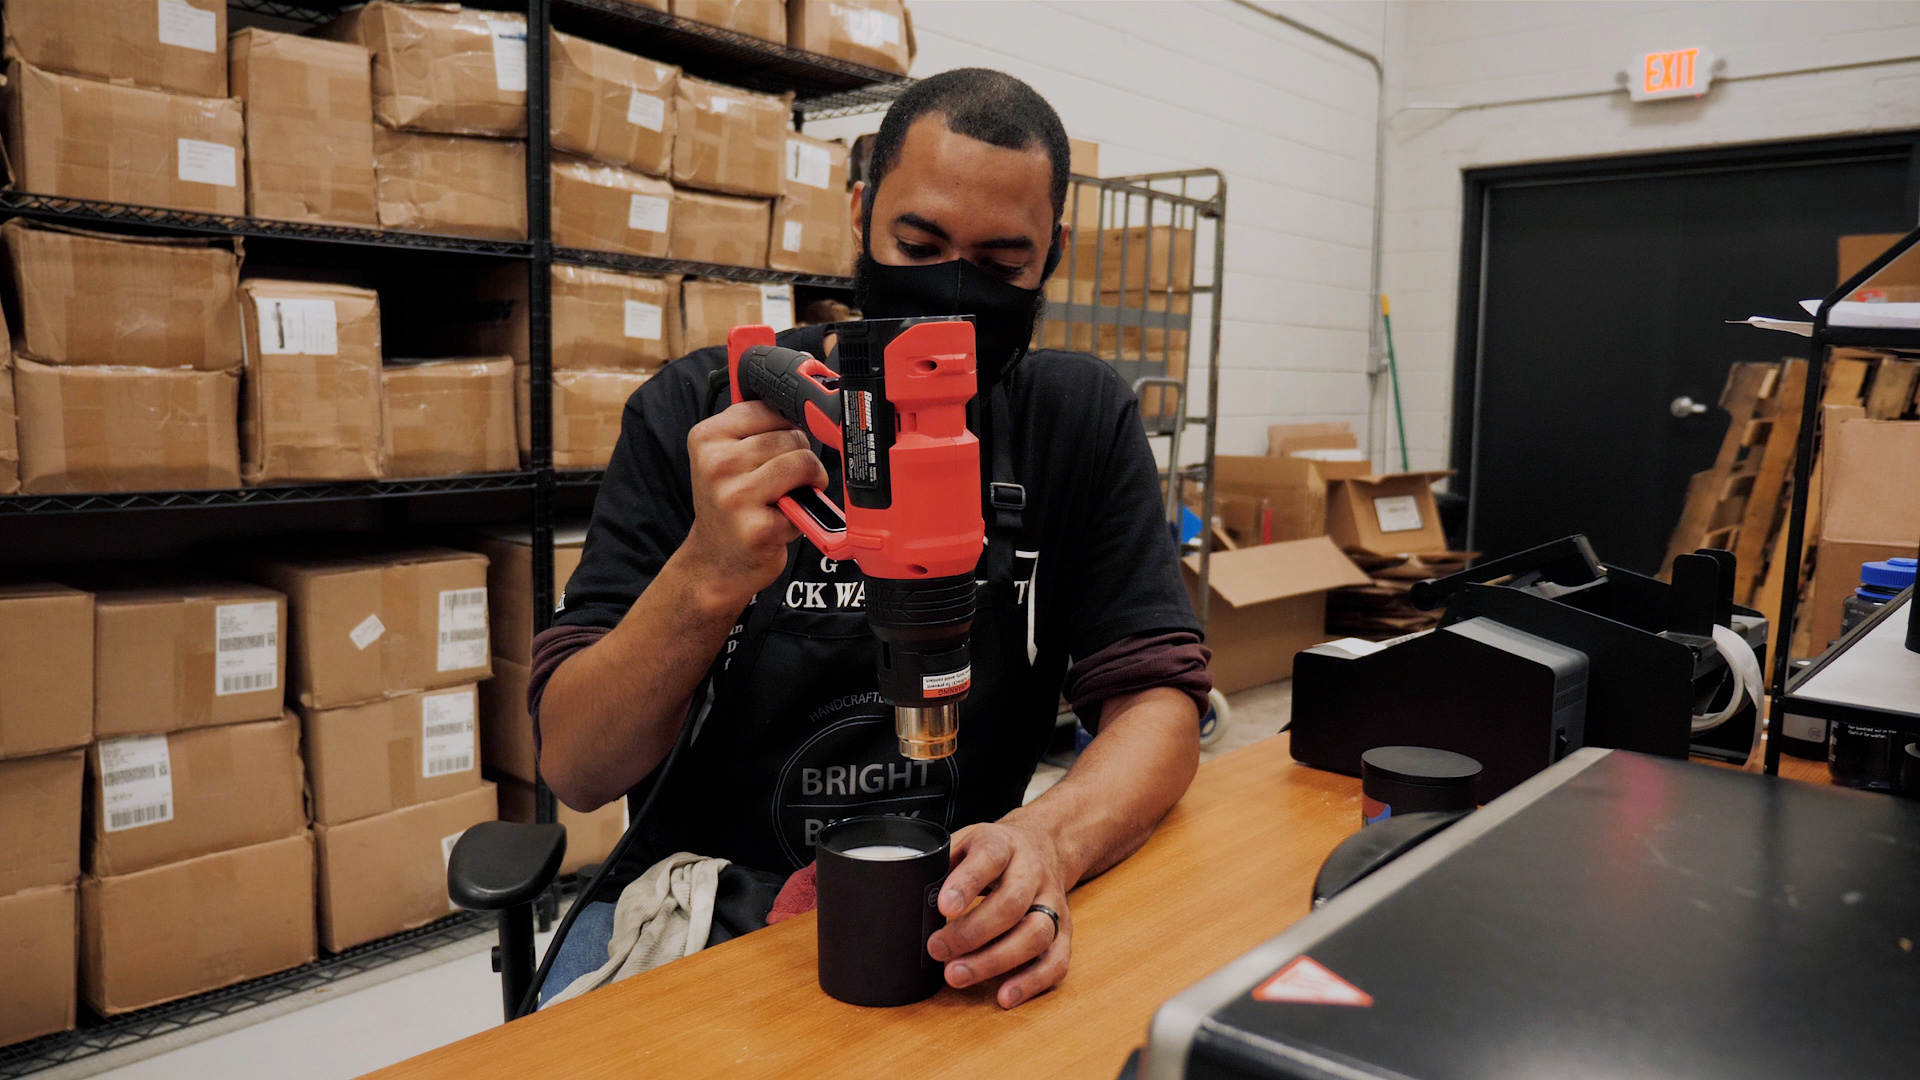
[(910, 470)]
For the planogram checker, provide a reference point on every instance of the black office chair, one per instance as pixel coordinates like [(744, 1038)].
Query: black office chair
[(504, 866)]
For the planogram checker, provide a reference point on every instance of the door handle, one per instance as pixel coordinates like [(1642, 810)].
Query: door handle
[(1684, 406)]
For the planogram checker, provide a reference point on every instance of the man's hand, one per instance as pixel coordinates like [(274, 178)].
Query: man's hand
[(1023, 868), (743, 459)]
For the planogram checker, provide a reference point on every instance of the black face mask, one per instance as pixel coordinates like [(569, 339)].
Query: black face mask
[(1003, 315)]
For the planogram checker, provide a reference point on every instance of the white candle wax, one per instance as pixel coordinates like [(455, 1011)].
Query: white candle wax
[(883, 851)]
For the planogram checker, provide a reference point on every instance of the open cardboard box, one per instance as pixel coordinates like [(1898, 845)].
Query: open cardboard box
[(1332, 447), (1388, 514), (1267, 604), (1292, 489)]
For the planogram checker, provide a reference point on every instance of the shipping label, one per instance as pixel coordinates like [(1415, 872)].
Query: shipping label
[(303, 327), (870, 27), (446, 733), (776, 307), (367, 632), (509, 55), (463, 629), (208, 162), (790, 236), (647, 213), (808, 164), (1397, 513), (647, 111), (246, 648), (643, 320), (136, 782), (188, 27)]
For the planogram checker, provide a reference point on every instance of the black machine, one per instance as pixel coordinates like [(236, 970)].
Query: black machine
[(1560, 653)]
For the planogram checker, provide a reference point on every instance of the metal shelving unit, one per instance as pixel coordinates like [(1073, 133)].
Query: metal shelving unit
[(823, 87)]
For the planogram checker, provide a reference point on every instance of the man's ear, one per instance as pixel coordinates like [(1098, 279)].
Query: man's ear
[(853, 208)]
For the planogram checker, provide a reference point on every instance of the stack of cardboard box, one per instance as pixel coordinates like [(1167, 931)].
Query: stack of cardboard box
[(729, 147), (811, 230), (613, 129), (125, 364), (385, 648), (46, 719), (506, 728), (450, 105), (309, 121)]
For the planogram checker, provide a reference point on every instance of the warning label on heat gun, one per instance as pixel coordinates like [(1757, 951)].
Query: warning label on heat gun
[(861, 446), (945, 685)]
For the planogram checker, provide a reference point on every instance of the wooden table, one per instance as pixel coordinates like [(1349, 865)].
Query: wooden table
[(1231, 866)]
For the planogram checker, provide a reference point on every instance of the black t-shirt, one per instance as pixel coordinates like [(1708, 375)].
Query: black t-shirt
[(797, 735)]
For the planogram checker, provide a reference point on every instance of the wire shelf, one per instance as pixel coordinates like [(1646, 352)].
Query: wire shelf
[(98, 1035), (252, 496), (645, 265), (85, 212), (580, 477), (313, 12)]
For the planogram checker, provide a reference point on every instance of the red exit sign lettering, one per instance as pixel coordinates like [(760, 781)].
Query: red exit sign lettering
[(1670, 73)]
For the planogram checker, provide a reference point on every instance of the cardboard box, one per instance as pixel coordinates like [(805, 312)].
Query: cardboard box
[(451, 184), (40, 821), (424, 607), (509, 552), (756, 18), (1855, 252), (1393, 514), (729, 140), (714, 307), (309, 112), (1268, 603), (9, 432), (1148, 342), (37, 934), (1332, 447), (590, 836), (1158, 258), (811, 231), (198, 925), (608, 320), (607, 208), (46, 667), (506, 728), (719, 228), (125, 428), (400, 751), (172, 303), (158, 799), (876, 33), (447, 417), (384, 874), (312, 409), (612, 106), (169, 656), (179, 46), (83, 139), (441, 67), (1057, 331), (1870, 510), (1292, 488), (586, 408)]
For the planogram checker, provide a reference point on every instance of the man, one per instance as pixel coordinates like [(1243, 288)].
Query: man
[(690, 571)]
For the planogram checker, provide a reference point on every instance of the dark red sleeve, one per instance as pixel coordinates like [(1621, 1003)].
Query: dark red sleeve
[(551, 647), (1175, 659)]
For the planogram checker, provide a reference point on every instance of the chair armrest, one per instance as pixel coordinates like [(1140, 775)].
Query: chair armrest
[(500, 864)]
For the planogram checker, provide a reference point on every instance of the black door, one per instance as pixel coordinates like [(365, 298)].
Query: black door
[(1596, 293)]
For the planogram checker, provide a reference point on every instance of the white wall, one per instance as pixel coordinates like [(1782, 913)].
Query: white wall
[(1536, 81), (1290, 120)]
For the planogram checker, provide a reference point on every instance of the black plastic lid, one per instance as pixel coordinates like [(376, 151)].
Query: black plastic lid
[(1419, 765)]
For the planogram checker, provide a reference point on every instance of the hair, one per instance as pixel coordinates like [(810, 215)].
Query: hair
[(982, 104)]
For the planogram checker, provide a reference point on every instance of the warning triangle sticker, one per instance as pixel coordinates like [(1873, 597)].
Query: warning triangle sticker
[(1306, 982)]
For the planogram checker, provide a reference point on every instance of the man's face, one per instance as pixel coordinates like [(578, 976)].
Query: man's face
[(951, 197)]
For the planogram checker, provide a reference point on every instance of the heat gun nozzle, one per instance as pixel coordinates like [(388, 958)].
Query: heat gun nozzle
[(927, 734)]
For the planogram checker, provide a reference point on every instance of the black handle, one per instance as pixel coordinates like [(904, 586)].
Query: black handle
[(772, 374)]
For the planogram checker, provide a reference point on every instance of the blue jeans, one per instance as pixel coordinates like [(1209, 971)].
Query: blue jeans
[(583, 951)]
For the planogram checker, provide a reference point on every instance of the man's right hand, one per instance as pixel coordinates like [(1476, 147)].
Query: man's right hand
[(743, 460)]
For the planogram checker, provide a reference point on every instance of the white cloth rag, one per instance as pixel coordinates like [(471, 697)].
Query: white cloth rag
[(663, 915)]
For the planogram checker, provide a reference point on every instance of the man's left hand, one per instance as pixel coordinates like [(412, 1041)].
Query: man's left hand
[(1010, 868)]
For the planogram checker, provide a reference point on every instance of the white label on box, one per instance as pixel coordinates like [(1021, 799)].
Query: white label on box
[(189, 27), (246, 648), (790, 236), (367, 632), (208, 163), (808, 164), (647, 213), (870, 27), (509, 55), (463, 629), (446, 733), (1397, 513), (643, 320), (776, 307), (647, 111), (136, 782), (306, 327)]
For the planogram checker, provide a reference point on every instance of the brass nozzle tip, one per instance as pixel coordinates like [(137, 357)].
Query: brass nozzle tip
[(930, 749)]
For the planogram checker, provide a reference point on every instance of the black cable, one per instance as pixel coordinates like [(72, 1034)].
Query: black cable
[(586, 894)]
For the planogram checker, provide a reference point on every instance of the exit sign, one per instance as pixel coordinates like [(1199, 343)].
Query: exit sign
[(1671, 73)]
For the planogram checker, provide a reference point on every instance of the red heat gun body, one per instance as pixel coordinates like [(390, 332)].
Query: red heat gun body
[(910, 471)]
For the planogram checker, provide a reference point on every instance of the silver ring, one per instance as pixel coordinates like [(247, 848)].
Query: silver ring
[(1049, 913)]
